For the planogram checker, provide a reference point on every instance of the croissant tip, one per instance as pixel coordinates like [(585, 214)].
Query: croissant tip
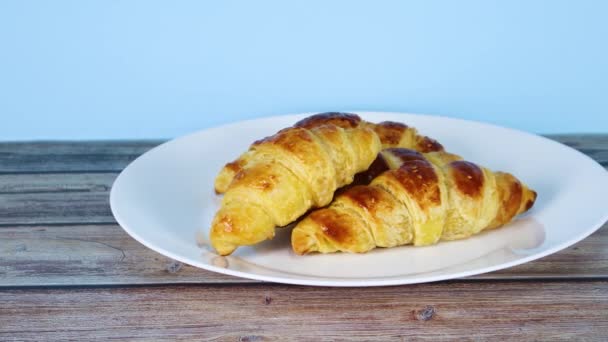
[(222, 182), (530, 202), (222, 248), (219, 188), (225, 250), (302, 243)]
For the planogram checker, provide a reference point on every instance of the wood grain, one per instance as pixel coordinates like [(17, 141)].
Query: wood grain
[(106, 255), (51, 205), (55, 198), (56, 229), (74, 197), (56, 208), (113, 156), (81, 156), (37, 183), (88, 255), (539, 311)]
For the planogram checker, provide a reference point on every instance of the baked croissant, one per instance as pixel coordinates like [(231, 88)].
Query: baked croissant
[(284, 176), (429, 197), (281, 177)]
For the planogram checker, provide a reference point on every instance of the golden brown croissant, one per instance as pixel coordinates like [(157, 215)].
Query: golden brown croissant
[(429, 197), (283, 176), (287, 174)]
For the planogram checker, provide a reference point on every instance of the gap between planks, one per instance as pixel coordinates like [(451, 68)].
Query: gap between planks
[(72, 198), (113, 156), (106, 255), (460, 310)]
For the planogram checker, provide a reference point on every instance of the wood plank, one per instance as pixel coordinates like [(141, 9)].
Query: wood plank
[(106, 255), (547, 311), (70, 156), (55, 198), (56, 208), (113, 156), (88, 255), (72, 198), (55, 182), (60, 203)]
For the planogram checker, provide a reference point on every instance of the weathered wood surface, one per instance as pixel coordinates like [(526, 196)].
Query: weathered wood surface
[(55, 198), (81, 174), (88, 255), (55, 208), (113, 156), (82, 156), (500, 311), (106, 255), (56, 228), (39, 183)]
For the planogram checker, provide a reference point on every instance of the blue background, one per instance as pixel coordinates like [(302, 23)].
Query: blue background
[(147, 69)]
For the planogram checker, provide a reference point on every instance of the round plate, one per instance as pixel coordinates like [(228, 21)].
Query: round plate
[(165, 200)]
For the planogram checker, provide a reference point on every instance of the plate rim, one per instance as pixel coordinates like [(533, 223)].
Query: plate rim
[(350, 282)]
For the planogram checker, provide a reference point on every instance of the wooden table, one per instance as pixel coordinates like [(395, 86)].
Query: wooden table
[(68, 271)]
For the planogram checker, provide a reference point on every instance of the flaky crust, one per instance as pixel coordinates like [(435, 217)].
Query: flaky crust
[(418, 199)]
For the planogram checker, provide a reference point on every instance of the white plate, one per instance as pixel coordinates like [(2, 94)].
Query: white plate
[(165, 200)]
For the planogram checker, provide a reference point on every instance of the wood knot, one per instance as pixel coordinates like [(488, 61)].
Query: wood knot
[(267, 300), (426, 314), (174, 266), (251, 338)]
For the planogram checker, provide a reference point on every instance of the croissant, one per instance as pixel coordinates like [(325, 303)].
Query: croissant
[(420, 199), (282, 176), (285, 175)]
